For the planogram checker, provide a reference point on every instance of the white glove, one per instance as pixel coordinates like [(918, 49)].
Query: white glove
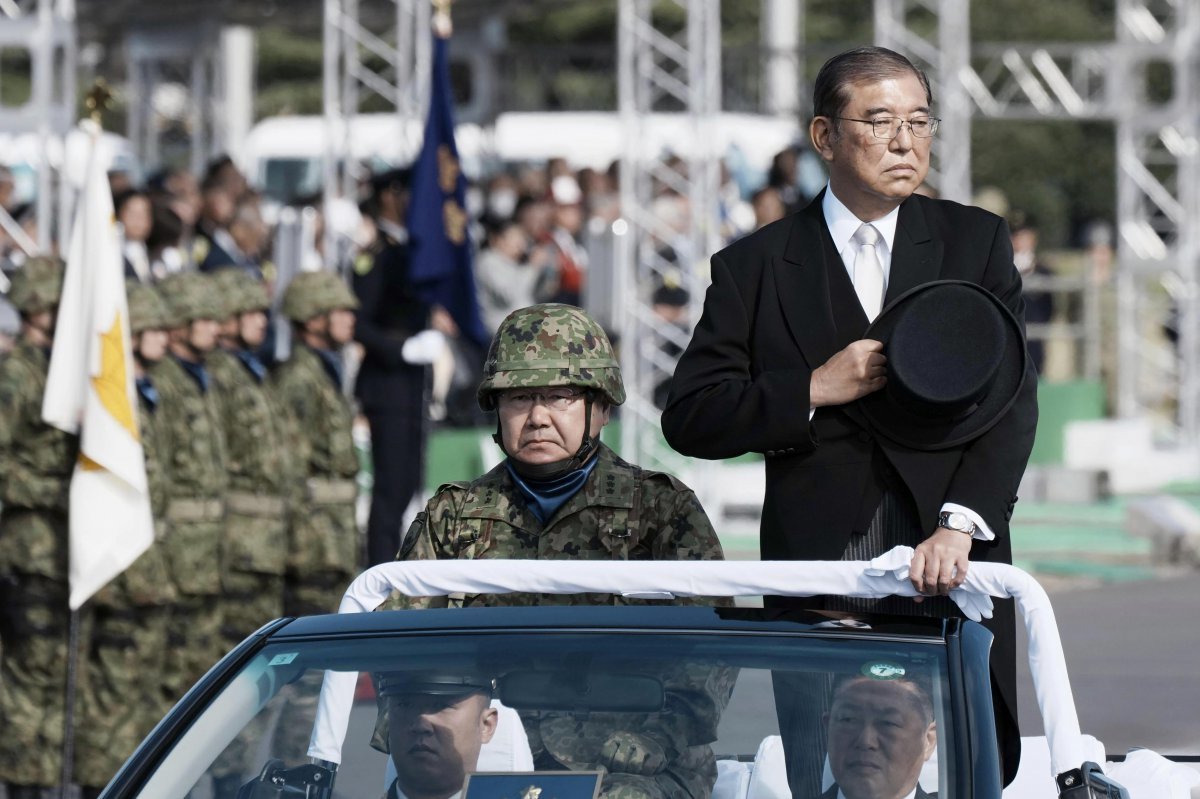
[(423, 348), (895, 564)]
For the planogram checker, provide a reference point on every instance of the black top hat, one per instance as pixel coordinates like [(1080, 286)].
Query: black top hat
[(955, 364)]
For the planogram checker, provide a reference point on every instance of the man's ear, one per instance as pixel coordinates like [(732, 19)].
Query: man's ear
[(487, 723), (930, 740), (821, 133)]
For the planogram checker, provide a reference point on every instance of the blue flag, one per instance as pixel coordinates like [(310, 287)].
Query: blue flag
[(440, 246)]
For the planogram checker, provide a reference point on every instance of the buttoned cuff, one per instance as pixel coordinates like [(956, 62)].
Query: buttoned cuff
[(983, 533)]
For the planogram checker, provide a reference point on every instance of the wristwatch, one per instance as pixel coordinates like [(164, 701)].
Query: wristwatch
[(955, 520)]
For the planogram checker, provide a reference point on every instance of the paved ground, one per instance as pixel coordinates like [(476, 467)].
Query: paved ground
[(1133, 653)]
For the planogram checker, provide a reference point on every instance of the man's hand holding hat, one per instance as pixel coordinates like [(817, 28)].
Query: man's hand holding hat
[(851, 374)]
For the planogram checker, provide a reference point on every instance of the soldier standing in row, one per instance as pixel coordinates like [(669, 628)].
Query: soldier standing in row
[(323, 553), (324, 542), (194, 521), (36, 462), (122, 698), (262, 470), (263, 481)]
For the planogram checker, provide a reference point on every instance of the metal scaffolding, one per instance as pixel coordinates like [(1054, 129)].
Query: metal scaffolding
[(1158, 184), (390, 63), (174, 93), (945, 58), (45, 31), (668, 227)]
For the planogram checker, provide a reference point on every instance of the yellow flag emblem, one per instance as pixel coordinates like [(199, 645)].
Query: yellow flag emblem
[(111, 383)]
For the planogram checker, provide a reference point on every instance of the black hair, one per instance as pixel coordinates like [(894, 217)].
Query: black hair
[(831, 90)]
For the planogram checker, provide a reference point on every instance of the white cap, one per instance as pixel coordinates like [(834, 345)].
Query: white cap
[(565, 190)]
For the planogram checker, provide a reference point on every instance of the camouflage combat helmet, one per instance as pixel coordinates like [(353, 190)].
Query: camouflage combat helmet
[(190, 296), (37, 285), (550, 345), (240, 292), (313, 293), (147, 310)]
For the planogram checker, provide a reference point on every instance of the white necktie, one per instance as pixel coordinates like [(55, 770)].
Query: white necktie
[(868, 271)]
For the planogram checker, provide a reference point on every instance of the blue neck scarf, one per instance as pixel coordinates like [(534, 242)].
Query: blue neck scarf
[(251, 361), (333, 365), (197, 372), (148, 393), (545, 497)]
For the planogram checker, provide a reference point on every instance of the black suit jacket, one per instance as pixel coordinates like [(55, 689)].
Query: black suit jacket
[(780, 305), (390, 311)]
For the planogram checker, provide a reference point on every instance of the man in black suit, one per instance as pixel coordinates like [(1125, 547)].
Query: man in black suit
[(881, 732), (778, 362)]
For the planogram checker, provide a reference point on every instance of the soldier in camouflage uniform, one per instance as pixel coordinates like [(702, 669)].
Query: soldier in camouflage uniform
[(324, 542), (553, 379), (263, 475), (189, 429), (122, 698), (36, 462), (323, 551)]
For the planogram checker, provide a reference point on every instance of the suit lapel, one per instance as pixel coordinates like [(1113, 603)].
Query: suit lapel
[(803, 286), (916, 257)]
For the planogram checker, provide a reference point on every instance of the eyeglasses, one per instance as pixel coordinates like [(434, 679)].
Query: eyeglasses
[(554, 399), (889, 127)]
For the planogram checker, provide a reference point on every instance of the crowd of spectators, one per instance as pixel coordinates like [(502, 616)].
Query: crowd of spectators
[(538, 231)]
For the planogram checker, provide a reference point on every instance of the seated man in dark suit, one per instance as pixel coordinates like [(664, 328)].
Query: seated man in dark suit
[(880, 732)]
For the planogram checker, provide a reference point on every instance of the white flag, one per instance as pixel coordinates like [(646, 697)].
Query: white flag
[(90, 391)]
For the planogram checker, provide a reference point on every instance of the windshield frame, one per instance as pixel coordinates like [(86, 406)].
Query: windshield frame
[(659, 621)]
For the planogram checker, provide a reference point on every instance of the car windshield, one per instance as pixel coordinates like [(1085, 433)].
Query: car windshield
[(670, 714)]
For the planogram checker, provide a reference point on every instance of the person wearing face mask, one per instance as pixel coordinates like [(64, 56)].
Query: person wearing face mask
[(553, 379), (503, 279)]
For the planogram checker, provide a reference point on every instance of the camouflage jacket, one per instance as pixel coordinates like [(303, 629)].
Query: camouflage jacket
[(322, 413), (324, 536), (189, 426), (259, 455), (147, 582), (265, 461), (622, 512), (189, 430), (36, 462)]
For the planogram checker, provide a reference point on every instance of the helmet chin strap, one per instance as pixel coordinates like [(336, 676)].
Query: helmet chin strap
[(556, 469)]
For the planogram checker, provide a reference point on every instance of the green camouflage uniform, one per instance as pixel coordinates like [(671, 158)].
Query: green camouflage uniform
[(263, 474), (36, 462), (324, 545), (622, 512), (324, 541), (123, 699), (189, 428)]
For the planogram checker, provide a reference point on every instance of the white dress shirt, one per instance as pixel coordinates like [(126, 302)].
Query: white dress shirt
[(911, 794), (842, 223)]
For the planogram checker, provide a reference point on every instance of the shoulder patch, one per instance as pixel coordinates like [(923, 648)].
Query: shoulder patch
[(200, 250)]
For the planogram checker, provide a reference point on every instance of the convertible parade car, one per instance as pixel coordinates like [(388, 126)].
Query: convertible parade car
[(291, 711)]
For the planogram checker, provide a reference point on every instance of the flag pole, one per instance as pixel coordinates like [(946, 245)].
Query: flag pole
[(98, 99)]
